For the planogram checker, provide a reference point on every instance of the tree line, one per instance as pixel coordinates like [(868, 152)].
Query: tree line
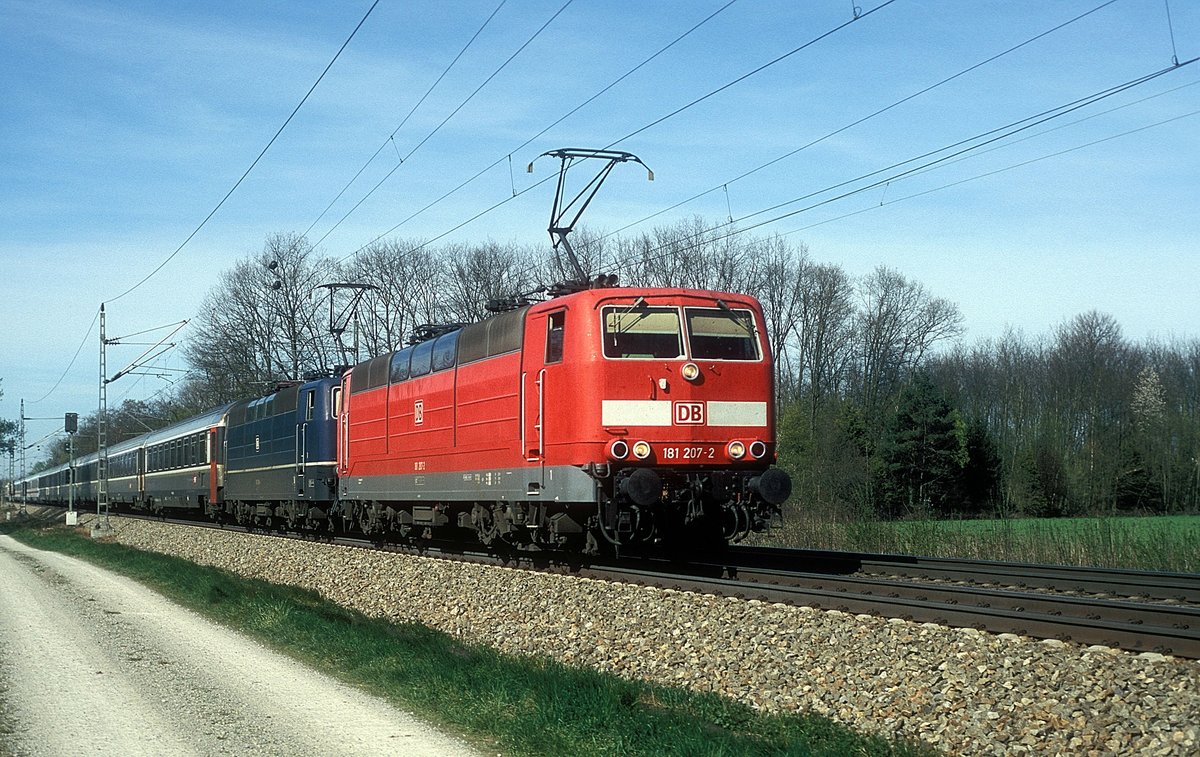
[(883, 408)]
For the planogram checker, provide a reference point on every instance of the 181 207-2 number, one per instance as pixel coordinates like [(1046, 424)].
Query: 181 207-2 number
[(689, 453)]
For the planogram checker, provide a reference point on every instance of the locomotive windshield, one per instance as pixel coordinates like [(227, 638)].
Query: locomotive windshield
[(642, 333), (721, 334), (654, 332)]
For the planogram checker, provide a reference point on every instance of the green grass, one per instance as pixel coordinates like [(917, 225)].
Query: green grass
[(1169, 543), (517, 705)]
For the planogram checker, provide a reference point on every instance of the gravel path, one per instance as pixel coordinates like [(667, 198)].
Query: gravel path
[(964, 691), (93, 663)]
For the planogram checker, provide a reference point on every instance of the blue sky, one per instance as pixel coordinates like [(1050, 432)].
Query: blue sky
[(124, 123)]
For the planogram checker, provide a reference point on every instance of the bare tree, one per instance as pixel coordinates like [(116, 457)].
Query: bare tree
[(780, 275), (408, 278), (476, 274), (1091, 370), (825, 347), (899, 323), (260, 323), (690, 253), (292, 308), (826, 329)]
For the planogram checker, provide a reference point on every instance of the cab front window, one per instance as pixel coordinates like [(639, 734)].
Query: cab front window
[(722, 334), (642, 332)]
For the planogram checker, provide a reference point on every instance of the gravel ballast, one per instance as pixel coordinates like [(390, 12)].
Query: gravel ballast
[(961, 690)]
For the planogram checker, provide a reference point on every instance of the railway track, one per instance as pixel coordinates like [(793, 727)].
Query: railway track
[(1136, 585), (1139, 611)]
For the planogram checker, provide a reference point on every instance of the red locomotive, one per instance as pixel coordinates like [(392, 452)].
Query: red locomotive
[(620, 416)]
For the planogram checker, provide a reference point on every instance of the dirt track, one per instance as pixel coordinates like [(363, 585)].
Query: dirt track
[(93, 663)]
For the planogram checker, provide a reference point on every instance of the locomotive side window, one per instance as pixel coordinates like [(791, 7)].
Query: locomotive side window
[(358, 377), (506, 331), (421, 359), (335, 396), (377, 371), (400, 365), (642, 332), (722, 334), (494, 336), (285, 401), (310, 404), (555, 328), (445, 351), (472, 345)]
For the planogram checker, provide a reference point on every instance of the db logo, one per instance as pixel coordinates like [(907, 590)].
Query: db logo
[(419, 413), (689, 413)]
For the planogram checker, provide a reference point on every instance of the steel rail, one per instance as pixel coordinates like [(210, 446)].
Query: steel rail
[(1119, 582)]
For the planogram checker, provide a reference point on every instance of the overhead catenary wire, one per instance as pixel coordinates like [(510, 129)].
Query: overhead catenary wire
[(865, 118), (858, 16), (527, 142), (445, 120), (657, 121), (1061, 110), (86, 336), (997, 171), (392, 137), (1067, 125), (213, 212), (1171, 30), (991, 136), (246, 173)]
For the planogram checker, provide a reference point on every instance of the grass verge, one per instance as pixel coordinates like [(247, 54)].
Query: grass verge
[(1169, 543), (516, 705)]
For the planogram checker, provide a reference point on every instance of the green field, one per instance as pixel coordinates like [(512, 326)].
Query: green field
[(1169, 543)]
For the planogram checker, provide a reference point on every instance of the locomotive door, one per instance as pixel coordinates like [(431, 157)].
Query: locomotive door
[(303, 417), (301, 456), (541, 384)]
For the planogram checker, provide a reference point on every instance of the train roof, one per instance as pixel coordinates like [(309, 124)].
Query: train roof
[(512, 320), (182, 428)]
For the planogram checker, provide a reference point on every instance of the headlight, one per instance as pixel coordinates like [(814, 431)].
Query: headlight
[(690, 371), (618, 450), (641, 450), (758, 450), (736, 450)]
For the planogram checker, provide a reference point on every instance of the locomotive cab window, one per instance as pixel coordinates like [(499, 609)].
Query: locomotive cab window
[(722, 334), (555, 328), (642, 332)]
